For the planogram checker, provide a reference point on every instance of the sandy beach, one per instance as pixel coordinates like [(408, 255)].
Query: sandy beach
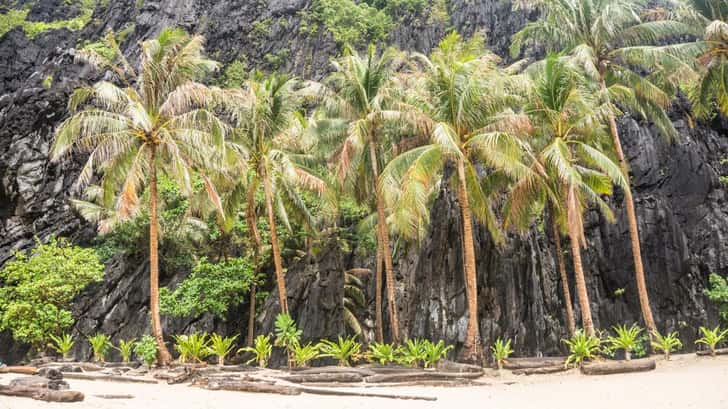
[(683, 383)]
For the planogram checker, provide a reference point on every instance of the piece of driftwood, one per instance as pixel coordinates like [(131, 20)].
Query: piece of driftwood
[(420, 376), (541, 370), (38, 382), (387, 369), (333, 370), (42, 394), (526, 363), (719, 351), (615, 367), (84, 366), (23, 370), (451, 366), (333, 392), (346, 377), (114, 396), (109, 378), (255, 387)]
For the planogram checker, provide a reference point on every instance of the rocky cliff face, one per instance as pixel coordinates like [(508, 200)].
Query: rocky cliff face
[(679, 198)]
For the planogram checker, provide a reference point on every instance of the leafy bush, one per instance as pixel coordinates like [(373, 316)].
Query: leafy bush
[(433, 353), (718, 293), (712, 337), (302, 355), (287, 334), (100, 344), (382, 353), (411, 353), (221, 347), (146, 349), (501, 351), (38, 288), (627, 339), (582, 347), (126, 348), (261, 350), (62, 344), (234, 75), (192, 347), (344, 350), (352, 23), (667, 343)]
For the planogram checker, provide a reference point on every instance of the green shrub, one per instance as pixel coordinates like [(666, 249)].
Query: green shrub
[(261, 350), (302, 355), (62, 344), (718, 293), (221, 347), (582, 347), (146, 349), (287, 334), (192, 347), (234, 75), (433, 353), (667, 343), (100, 344), (126, 348), (712, 337), (351, 22), (501, 351), (39, 287), (344, 350), (627, 339), (411, 353), (382, 353)]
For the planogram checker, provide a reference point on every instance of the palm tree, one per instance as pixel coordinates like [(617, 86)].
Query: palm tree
[(612, 44), (267, 131), (568, 168), (461, 93), (157, 124)]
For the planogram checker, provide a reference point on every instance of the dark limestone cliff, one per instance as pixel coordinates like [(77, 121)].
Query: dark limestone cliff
[(679, 198)]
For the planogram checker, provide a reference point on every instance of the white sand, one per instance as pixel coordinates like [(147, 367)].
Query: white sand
[(686, 382)]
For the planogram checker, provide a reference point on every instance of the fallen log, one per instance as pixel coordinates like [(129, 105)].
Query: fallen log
[(345, 377), (451, 366), (23, 370), (42, 394), (113, 396), (719, 351), (108, 378), (255, 387), (420, 376), (388, 369), (541, 371), (363, 371), (333, 392), (84, 366), (615, 367), (526, 363)]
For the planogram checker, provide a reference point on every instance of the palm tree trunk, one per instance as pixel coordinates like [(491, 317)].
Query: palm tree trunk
[(472, 350), (633, 231), (570, 321), (586, 315), (386, 250), (378, 294), (252, 220), (280, 278), (164, 356)]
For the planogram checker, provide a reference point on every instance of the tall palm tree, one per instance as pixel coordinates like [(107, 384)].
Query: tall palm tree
[(568, 168), (159, 123), (460, 91), (613, 44), (267, 140)]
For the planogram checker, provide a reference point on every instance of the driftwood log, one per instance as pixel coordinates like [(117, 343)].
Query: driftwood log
[(527, 363), (109, 378), (345, 377), (24, 370), (615, 367), (420, 376), (47, 395), (114, 396), (541, 371), (719, 351), (363, 371), (255, 387), (334, 392)]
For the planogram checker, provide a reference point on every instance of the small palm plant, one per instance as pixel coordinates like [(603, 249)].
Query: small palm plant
[(261, 350), (666, 343), (382, 353), (302, 355), (146, 349), (221, 347), (434, 352), (287, 334), (126, 348), (501, 351), (100, 344), (712, 337), (344, 350), (411, 353), (582, 347), (626, 339), (192, 347), (62, 344)]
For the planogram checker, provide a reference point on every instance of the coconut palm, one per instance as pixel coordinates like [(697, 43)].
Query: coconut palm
[(158, 124), (460, 91), (568, 166), (613, 45)]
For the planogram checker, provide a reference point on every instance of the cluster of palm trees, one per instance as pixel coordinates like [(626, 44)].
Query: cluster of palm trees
[(515, 142)]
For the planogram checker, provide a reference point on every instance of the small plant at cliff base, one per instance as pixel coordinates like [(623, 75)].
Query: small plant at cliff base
[(126, 348), (433, 353), (582, 347), (382, 353), (146, 349), (287, 334), (667, 343), (221, 347), (100, 344), (62, 344), (344, 350), (38, 288), (192, 348), (411, 353), (302, 355), (501, 351), (718, 293), (627, 339), (261, 350), (712, 337)]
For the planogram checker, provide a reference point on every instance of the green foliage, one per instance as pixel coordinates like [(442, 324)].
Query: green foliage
[(261, 350), (192, 347), (62, 344), (221, 347), (718, 293), (344, 350), (126, 348), (501, 351), (438, 12), (18, 18), (234, 74), (619, 292), (582, 347), (287, 334), (261, 28), (352, 23), (666, 343), (277, 59), (712, 337), (100, 344), (48, 81), (411, 353), (210, 288), (382, 353), (146, 349), (433, 353), (102, 49), (39, 286), (302, 355), (626, 339)]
